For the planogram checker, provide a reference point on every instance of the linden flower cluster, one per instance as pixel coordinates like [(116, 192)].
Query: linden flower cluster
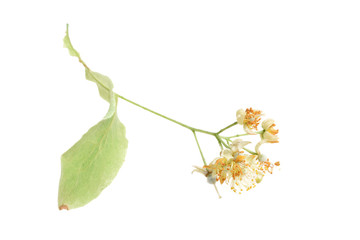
[(240, 170)]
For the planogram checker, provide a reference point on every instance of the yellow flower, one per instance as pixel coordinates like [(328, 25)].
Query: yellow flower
[(269, 135), (240, 171), (249, 118)]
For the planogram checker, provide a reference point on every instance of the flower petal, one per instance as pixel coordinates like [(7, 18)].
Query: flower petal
[(267, 123), (270, 138), (258, 146), (240, 116), (200, 170), (227, 153)]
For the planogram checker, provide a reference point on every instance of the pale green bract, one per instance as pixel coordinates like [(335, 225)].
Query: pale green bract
[(103, 82), (93, 162)]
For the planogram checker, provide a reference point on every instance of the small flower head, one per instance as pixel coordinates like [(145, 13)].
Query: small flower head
[(241, 171), (269, 134), (249, 118)]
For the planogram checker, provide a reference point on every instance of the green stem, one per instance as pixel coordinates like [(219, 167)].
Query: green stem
[(219, 141), (197, 142), (249, 151), (231, 125), (244, 134), (170, 119), (216, 135)]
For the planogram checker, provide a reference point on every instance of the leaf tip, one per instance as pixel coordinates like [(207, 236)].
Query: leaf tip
[(63, 207), (67, 31), (68, 45)]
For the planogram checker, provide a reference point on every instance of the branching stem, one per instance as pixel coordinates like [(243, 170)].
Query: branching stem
[(219, 138)]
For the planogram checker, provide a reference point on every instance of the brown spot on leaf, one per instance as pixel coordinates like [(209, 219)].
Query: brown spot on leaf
[(63, 207)]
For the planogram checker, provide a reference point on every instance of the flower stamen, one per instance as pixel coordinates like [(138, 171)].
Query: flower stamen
[(252, 118)]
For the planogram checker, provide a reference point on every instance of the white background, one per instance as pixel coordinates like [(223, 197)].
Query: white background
[(198, 62)]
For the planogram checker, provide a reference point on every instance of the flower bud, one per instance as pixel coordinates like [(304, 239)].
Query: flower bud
[(237, 145), (211, 178)]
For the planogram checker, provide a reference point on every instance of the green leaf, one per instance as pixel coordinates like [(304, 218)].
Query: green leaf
[(93, 162), (104, 83), (68, 44)]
